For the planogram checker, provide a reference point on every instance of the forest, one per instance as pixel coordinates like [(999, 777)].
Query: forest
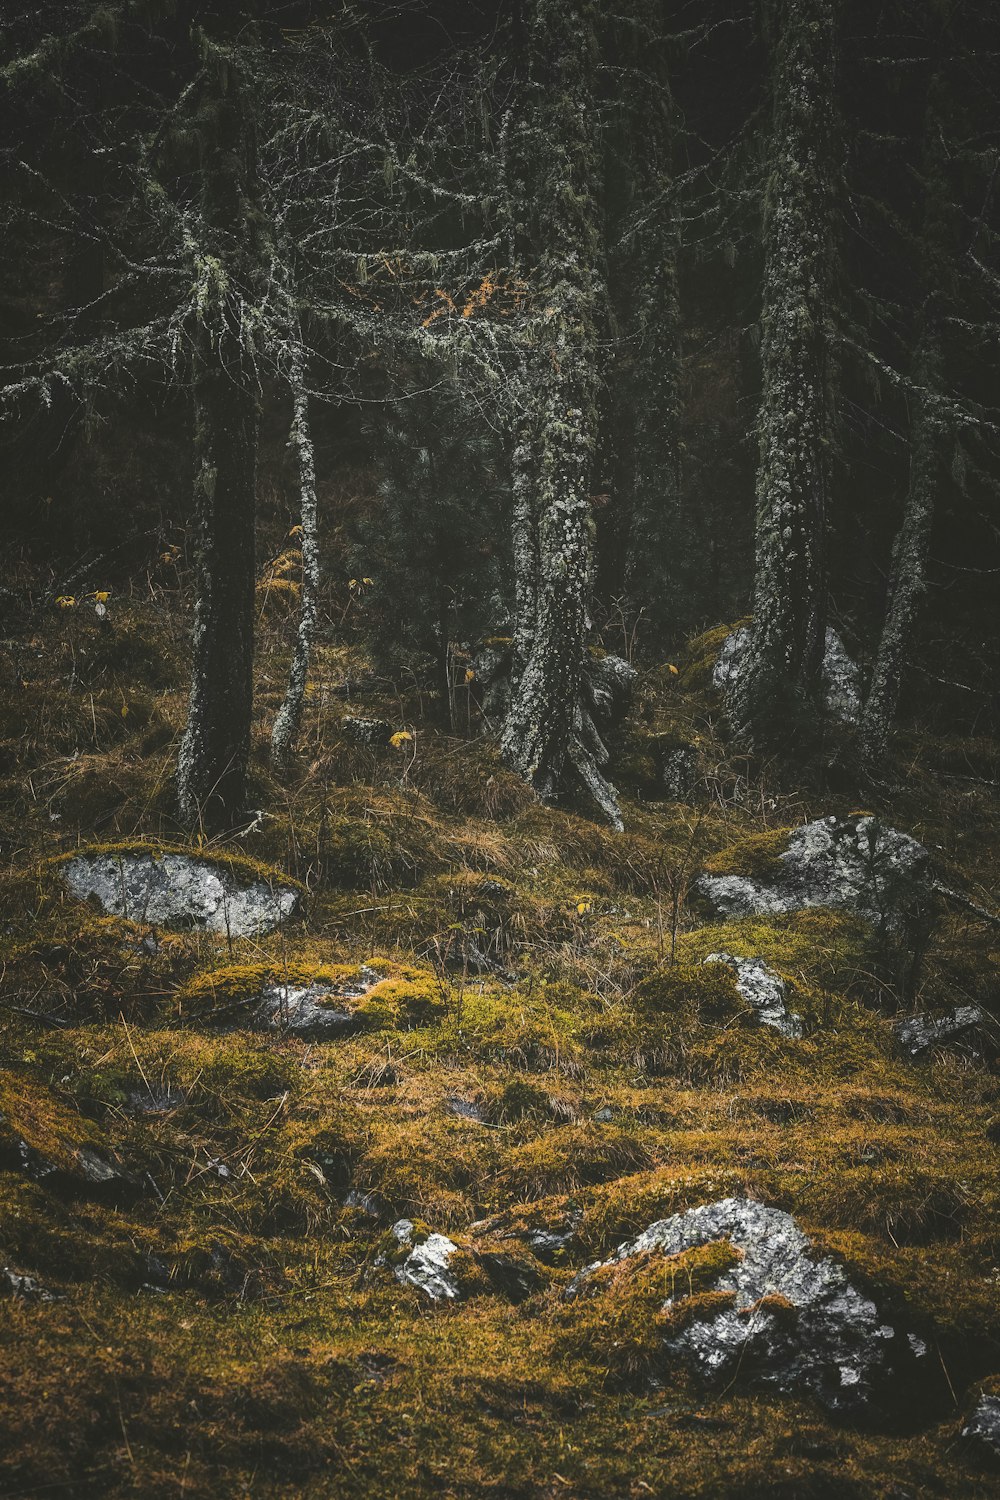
[(500, 749)]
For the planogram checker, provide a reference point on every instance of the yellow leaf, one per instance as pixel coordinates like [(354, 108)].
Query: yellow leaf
[(672, 670), (470, 675), (401, 737), (582, 907), (124, 710), (66, 601), (295, 531), (102, 596)]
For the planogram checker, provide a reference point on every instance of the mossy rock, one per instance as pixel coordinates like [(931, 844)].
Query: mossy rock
[(706, 992)]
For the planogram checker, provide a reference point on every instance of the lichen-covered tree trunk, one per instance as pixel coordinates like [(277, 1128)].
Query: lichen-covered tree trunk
[(780, 690), (289, 717), (548, 726), (212, 765)]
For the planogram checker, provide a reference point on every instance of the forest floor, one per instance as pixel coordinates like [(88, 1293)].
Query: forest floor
[(215, 1310)]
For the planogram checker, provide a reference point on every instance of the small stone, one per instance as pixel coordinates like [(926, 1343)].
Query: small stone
[(765, 990), (680, 772), (964, 1028), (426, 1265), (15, 1284), (373, 733)]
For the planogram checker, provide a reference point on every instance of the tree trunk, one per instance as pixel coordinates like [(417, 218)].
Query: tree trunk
[(780, 690), (289, 718), (928, 435), (215, 750), (548, 724), (212, 766), (909, 562)]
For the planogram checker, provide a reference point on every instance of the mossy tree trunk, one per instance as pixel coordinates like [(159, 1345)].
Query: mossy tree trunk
[(214, 753), (780, 690), (548, 727), (929, 444)]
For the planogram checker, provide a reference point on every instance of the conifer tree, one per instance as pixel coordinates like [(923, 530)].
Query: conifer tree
[(549, 728), (780, 686)]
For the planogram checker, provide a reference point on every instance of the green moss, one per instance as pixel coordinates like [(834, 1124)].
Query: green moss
[(701, 654), (757, 855), (241, 867)]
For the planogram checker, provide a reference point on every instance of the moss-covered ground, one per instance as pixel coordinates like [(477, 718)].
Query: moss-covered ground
[(542, 1050)]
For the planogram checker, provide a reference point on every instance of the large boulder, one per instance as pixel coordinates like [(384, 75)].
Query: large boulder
[(171, 889), (764, 990), (857, 863), (841, 681), (791, 1320)]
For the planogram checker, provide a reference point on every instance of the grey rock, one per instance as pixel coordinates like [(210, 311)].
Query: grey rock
[(964, 1027), (14, 1284), (983, 1425), (312, 1010), (374, 733), (765, 990), (841, 680), (831, 1342), (464, 1108), (179, 890), (680, 772), (426, 1265), (855, 863)]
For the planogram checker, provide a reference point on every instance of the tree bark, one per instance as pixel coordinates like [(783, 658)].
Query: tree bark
[(214, 754), (215, 749), (928, 459), (289, 717), (548, 725), (780, 690)]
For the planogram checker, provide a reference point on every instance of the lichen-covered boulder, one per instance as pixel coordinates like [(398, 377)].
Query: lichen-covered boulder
[(841, 682), (765, 990), (856, 863), (964, 1028), (789, 1318), (424, 1262), (172, 889)]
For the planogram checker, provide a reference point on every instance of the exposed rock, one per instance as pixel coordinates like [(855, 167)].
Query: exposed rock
[(841, 681), (983, 1425), (80, 1168), (765, 990), (680, 772), (375, 733), (964, 1028), (466, 1109), (856, 862), (14, 1284), (179, 890), (426, 1264), (316, 1010), (819, 1333)]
